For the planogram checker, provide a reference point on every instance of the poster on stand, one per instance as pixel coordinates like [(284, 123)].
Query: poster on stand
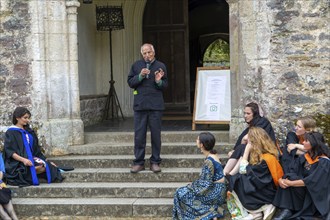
[(212, 104)]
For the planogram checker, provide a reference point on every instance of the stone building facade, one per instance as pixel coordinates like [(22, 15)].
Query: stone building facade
[(279, 58)]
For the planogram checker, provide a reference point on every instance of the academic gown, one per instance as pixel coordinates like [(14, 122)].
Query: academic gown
[(5, 196), (260, 122), (16, 172), (255, 188), (287, 159), (5, 193), (314, 198)]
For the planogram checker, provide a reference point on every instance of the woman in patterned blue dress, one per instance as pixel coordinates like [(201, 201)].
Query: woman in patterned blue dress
[(202, 198)]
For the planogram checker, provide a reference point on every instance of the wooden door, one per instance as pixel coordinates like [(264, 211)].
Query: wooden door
[(165, 25)]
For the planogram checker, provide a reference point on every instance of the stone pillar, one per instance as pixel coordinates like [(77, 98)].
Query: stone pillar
[(237, 121), (55, 72), (77, 124), (249, 51)]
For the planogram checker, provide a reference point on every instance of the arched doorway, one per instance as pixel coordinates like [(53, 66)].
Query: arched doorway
[(180, 31)]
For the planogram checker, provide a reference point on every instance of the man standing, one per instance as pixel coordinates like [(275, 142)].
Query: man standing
[(148, 78)]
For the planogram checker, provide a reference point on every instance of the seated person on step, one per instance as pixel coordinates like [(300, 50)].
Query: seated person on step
[(294, 141), (24, 161), (202, 198), (6, 206), (257, 173), (304, 191), (253, 118)]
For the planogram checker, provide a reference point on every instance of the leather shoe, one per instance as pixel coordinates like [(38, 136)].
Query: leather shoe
[(137, 168), (284, 214), (155, 168)]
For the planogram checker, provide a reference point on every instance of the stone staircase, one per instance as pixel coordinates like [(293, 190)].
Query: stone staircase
[(102, 187)]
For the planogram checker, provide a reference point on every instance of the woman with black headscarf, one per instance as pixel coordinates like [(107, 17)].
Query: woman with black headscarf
[(253, 118)]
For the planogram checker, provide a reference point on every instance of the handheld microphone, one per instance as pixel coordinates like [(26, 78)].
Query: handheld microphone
[(148, 67)]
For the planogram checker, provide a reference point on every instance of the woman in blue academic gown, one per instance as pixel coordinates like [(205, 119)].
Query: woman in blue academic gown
[(24, 161)]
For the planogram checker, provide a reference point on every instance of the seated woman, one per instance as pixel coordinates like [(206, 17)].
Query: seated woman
[(6, 207), (24, 161), (202, 198), (294, 141), (304, 192), (253, 119), (257, 175)]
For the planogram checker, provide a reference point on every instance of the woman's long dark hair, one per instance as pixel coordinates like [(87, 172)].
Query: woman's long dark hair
[(255, 111), (20, 112), (317, 142), (208, 141)]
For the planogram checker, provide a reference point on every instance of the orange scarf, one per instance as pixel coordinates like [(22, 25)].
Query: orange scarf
[(310, 160), (274, 167)]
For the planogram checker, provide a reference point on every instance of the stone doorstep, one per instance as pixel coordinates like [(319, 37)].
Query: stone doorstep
[(112, 208), (167, 136), (93, 218), (99, 190), (113, 161), (109, 148), (124, 175)]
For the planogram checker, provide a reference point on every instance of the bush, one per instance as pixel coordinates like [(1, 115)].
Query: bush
[(323, 123)]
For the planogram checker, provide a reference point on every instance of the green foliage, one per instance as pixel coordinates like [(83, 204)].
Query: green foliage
[(323, 123), (217, 53)]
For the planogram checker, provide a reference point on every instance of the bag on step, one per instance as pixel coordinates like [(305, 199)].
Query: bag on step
[(235, 207)]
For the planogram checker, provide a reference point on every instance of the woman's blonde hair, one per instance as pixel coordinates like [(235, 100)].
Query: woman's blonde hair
[(261, 144), (308, 122)]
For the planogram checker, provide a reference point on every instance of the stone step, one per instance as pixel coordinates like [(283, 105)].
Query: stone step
[(96, 208), (109, 207), (111, 148), (124, 175), (167, 136), (99, 190), (121, 161)]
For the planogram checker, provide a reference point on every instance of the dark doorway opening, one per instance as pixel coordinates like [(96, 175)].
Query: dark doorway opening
[(181, 31), (208, 21)]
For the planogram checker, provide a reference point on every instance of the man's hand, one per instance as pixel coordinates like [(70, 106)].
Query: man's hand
[(144, 72), (158, 75)]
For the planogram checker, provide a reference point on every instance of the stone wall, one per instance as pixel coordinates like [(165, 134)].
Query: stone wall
[(92, 108), (299, 80), (15, 69), (39, 69), (15, 65), (281, 59)]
